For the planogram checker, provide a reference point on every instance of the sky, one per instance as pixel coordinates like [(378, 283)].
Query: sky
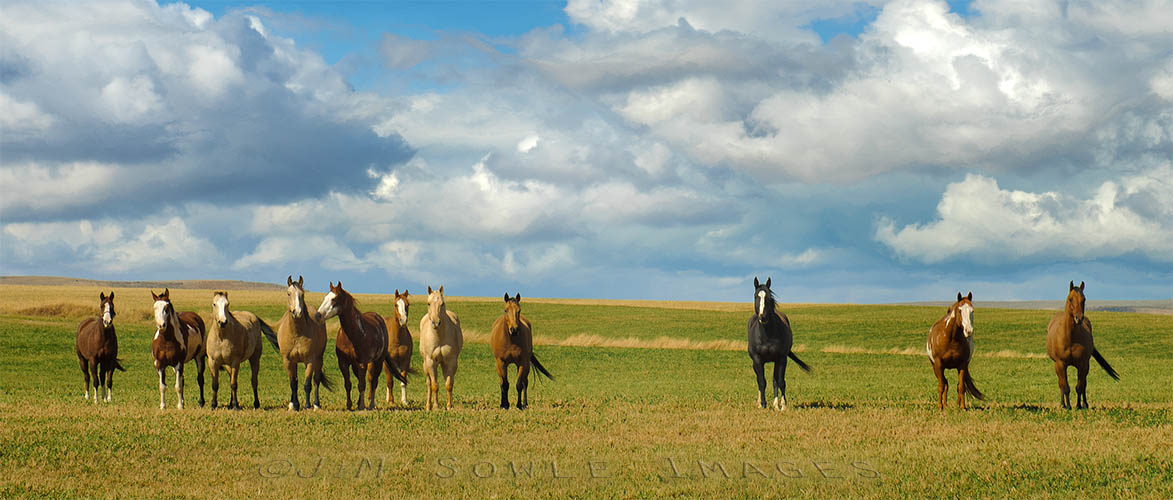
[(854, 151)]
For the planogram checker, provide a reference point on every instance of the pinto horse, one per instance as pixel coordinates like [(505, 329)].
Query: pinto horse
[(1069, 343), (398, 347), (440, 344), (97, 349), (950, 346), (361, 344), (301, 338), (770, 340), (512, 343), (179, 338), (234, 337)]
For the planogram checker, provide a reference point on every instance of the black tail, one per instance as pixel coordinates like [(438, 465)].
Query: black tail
[(118, 365), (802, 365), (269, 333), (391, 368), (541, 369), (324, 381), (1104, 364), (971, 388)]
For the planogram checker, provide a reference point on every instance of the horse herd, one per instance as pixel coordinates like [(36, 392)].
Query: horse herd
[(367, 344)]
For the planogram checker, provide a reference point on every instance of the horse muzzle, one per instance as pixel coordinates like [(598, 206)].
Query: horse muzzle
[(513, 331)]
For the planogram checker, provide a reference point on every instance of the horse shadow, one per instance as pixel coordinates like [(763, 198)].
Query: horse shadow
[(825, 405)]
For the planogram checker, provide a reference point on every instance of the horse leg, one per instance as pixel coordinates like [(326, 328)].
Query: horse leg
[(450, 378), (780, 384), (85, 372), (1064, 389), (503, 381), (374, 369), (1081, 385), (97, 381), (162, 385), (942, 385), (390, 401), (759, 370), (109, 367), (308, 385), (255, 365), (403, 388), (360, 374), (961, 387), (215, 385), (101, 383), (291, 371), (319, 377), (523, 386), (430, 374), (233, 371), (344, 367), (179, 384), (200, 361)]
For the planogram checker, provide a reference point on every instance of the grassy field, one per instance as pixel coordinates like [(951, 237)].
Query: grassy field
[(651, 400)]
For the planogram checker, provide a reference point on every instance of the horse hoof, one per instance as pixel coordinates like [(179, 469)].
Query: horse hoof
[(256, 405), (293, 407)]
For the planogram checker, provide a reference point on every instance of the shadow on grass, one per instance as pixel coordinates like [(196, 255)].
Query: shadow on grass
[(826, 404)]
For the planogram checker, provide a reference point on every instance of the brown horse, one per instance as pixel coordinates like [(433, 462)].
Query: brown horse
[(179, 338), (361, 344), (301, 338), (512, 343), (950, 347), (233, 338), (398, 347), (97, 349), (1069, 343)]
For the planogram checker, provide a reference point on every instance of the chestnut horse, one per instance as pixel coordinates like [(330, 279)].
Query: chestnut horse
[(179, 338), (950, 346), (97, 349), (361, 344), (770, 340), (512, 343), (398, 347), (440, 344), (1069, 343), (301, 338), (233, 338)]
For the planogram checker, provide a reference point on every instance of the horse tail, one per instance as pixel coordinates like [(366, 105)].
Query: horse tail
[(269, 333), (392, 369), (1104, 364), (118, 365), (321, 377), (971, 388), (802, 365), (541, 369)]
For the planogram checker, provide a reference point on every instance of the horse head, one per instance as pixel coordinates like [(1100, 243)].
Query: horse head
[(335, 301), (106, 305), (1075, 301), (763, 301), (164, 311), (512, 313), (963, 312), (401, 305), (296, 292), (436, 308), (220, 308)]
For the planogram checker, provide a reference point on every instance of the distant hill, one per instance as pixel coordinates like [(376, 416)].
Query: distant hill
[(1136, 306), (177, 284)]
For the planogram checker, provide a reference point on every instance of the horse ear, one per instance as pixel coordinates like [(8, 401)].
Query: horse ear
[(300, 281), (101, 295), (111, 294), (768, 282), (289, 280), (396, 292), (1070, 285), (225, 294), (153, 296), (166, 293), (339, 284), (969, 296), (506, 296), (405, 294), (441, 289), (959, 296), (429, 289), (518, 297), (755, 282), (1080, 287)]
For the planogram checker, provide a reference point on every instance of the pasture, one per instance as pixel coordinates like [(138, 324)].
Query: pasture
[(651, 400)]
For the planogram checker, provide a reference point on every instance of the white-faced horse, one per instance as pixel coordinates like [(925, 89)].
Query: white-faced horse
[(179, 338)]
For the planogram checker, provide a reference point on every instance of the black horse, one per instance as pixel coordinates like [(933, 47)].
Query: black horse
[(770, 340)]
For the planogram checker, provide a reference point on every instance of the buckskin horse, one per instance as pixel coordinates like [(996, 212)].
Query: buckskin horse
[(301, 338), (97, 349), (234, 337), (179, 338), (1069, 343), (512, 343), (950, 346), (770, 340), (361, 344)]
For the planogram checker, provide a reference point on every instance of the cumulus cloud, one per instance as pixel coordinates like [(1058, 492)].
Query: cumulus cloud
[(167, 247), (978, 219)]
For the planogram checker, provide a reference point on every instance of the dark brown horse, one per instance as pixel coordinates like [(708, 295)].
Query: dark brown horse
[(1069, 343), (398, 347), (950, 347), (179, 338), (512, 343), (361, 344), (97, 349)]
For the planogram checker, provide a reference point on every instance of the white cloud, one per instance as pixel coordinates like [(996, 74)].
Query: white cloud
[(279, 251), (977, 219), (159, 246), (44, 187), (22, 117)]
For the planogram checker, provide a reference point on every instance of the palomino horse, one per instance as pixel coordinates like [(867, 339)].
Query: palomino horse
[(512, 343), (770, 340), (97, 349), (1069, 343), (179, 338), (440, 343), (398, 347), (361, 344), (950, 346), (233, 338), (301, 338)]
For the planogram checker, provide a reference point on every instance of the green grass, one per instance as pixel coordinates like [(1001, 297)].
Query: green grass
[(869, 419)]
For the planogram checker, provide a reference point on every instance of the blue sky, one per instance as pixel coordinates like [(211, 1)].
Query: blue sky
[(665, 149)]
